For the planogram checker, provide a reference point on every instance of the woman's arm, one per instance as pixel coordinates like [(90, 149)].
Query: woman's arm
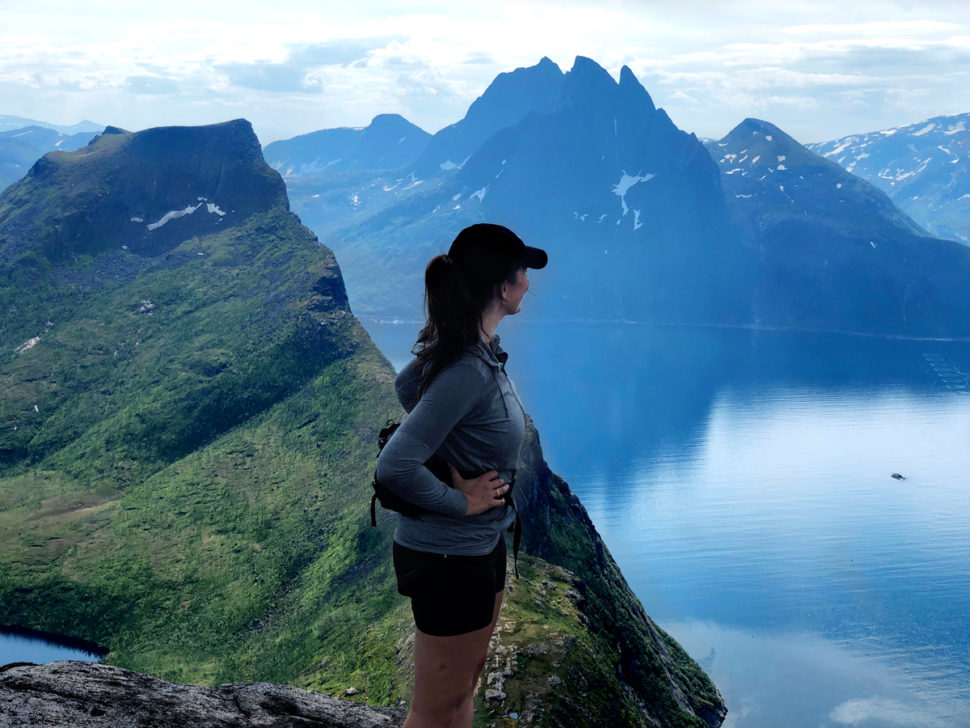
[(453, 393)]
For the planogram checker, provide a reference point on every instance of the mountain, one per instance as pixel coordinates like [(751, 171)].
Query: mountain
[(186, 443), (509, 98), (643, 224), (9, 123), (335, 175), (20, 148), (329, 197), (923, 167), (626, 203), (832, 251), (389, 142)]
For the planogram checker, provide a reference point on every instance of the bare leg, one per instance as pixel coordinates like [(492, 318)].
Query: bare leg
[(446, 670)]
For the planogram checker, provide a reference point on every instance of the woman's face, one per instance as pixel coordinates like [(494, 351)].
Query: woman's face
[(512, 293)]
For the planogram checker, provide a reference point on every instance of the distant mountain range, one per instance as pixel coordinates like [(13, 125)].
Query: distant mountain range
[(9, 123), (22, 146), (923, 167), (831, 247), (641, 221), (388, 142)]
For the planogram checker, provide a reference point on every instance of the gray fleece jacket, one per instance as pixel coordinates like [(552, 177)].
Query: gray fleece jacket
[(471, 417)]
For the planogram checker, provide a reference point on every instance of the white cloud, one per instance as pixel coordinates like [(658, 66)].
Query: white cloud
[(306, 65)]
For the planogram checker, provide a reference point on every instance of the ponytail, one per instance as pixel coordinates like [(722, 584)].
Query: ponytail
[(454, 319), (459, 286)]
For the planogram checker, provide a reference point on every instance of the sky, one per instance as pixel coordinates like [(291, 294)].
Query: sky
[(819, 71)]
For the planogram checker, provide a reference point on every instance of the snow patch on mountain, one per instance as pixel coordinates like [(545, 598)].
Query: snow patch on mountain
[(626, 182), (211, 207), (173, 215)]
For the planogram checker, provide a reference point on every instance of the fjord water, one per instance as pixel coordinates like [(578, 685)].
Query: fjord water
[(742, 481)]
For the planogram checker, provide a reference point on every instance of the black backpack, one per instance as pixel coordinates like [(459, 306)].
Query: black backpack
[(391, 501)]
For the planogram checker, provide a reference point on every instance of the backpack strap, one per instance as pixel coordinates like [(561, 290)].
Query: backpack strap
[(373, 505)]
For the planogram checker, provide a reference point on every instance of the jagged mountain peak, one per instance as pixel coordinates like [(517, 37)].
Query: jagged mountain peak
[(587, 82), (508, 99), (630, 85), (509, 87)]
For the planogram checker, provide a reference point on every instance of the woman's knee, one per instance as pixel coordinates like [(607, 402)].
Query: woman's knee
[(442, 708)]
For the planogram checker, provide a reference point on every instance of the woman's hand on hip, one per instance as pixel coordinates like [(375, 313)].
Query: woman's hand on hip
[(482, 493)]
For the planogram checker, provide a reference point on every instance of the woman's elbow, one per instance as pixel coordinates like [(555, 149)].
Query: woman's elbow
[(384, 472), (391, 472)]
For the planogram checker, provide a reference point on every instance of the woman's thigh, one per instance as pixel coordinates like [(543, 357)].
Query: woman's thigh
[(447, 668)]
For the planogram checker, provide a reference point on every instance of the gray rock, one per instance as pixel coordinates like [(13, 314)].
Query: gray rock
[(87, 695)]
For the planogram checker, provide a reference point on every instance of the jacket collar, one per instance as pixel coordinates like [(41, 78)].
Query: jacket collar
[(493, 354)]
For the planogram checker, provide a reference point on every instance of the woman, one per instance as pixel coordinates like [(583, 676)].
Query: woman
[(464, 411)]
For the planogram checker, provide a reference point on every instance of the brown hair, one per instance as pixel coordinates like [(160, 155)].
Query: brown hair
[(454, 301)]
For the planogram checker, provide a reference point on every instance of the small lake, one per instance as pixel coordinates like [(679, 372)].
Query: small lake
[(742, 481), (17, 647)]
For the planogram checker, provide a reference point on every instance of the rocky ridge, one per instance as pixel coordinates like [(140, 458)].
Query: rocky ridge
[(89, 695)]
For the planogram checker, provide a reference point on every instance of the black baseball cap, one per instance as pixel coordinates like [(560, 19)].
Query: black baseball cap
[(485, 247)]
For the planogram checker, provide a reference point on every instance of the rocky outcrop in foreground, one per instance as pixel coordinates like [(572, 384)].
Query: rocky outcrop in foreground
[(84, 694)]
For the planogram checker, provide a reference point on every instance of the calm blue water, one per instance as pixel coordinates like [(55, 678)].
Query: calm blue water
[(19, 648), (742, 481)]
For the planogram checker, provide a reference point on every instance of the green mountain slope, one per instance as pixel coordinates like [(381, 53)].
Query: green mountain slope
[(186, 442)]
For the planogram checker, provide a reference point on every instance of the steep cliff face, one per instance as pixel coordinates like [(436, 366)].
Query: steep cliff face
[(186, 444)]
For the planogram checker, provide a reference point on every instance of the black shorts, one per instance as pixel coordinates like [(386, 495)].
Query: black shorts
[(450, 594)]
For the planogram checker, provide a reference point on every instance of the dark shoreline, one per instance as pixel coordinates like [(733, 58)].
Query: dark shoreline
[(65, 640)]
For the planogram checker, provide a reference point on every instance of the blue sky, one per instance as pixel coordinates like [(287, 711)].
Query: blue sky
[(819, 72)]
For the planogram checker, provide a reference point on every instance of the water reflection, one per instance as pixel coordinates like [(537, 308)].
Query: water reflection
[(826, 684)]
